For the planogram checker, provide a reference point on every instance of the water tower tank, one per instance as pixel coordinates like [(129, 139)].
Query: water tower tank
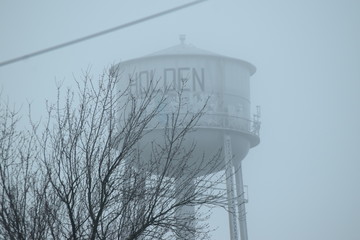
[(204, 76), (223, 83)]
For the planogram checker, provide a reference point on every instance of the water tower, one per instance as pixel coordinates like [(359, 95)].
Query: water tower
[(225, 83)]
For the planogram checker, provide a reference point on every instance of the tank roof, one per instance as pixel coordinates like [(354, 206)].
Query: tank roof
[(185, 49)]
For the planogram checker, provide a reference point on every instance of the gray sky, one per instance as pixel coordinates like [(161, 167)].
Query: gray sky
[(304, 177)]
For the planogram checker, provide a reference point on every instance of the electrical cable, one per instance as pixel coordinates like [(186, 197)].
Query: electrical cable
[(82, 39)]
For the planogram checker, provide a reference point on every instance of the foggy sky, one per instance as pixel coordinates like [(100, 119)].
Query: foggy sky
[(304, 177)]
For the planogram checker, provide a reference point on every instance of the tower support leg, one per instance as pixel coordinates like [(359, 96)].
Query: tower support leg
[(241, 200), (185, 215), (230, 187)]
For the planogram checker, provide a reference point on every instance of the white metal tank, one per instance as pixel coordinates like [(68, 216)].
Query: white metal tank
[(202, 75)]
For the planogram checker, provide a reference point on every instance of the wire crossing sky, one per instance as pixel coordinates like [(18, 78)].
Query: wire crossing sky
[(98, 34)]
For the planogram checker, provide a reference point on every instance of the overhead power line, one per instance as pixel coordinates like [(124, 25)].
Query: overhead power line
[(82, 39)]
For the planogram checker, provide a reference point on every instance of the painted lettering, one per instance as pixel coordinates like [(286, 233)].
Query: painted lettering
[(183, 77), (196, 78), (172, 79)]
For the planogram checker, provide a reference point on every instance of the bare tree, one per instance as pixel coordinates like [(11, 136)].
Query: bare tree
[(23, 203), (99, 173)]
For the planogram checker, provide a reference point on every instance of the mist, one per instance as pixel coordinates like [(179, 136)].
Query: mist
[(303, 178)]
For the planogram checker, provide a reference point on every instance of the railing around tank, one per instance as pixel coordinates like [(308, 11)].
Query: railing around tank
[(217, 120), (226, 121)]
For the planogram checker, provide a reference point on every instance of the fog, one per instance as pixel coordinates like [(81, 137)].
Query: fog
[(303, 178)]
